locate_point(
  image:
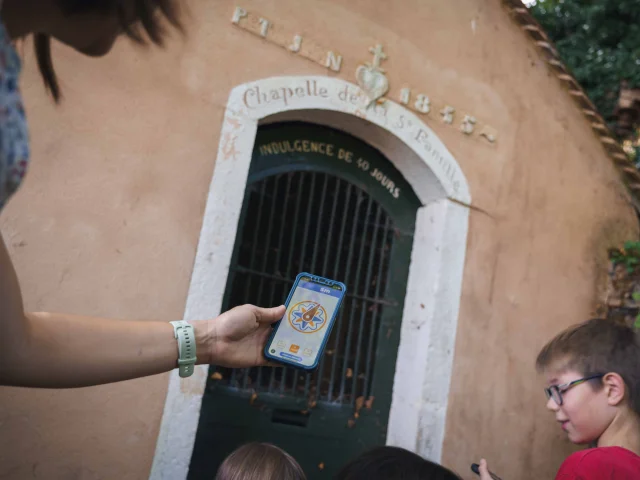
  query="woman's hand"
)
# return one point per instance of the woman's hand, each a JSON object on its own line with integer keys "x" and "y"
{"x": 237, "y": 337}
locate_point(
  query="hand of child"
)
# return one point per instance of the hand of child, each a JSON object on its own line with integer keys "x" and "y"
{"x": 484, "y": 471}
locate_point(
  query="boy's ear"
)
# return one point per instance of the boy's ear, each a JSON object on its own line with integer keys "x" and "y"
{"x": 615, "y": 388}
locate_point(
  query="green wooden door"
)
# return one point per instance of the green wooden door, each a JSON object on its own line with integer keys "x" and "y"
{"x": 321, "y": 201}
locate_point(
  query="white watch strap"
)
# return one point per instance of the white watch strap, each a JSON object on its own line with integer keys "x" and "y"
{"x": 183, "y": 331}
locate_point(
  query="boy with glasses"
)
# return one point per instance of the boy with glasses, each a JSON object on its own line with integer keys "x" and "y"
{"x": 593, "y": 376}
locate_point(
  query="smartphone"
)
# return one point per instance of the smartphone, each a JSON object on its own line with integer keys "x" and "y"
{"x": 299, "y": 338}
{"x": 475, "y": 468}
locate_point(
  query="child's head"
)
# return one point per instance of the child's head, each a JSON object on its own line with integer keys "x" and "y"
{"x": 392, "y": 463}
{"x": 260, "y": 461}
{"x": 593, "y": 376}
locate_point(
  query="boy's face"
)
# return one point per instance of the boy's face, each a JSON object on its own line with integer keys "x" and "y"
{"x": 585, "y": 412}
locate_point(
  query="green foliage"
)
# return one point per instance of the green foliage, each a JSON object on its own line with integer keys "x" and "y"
{"x": 636, "y": 298}
{"x": 599, "y": 41}
{"x": 628, "y": 256}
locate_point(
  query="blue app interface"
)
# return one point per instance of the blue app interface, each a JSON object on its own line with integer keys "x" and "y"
{"x": 305, "y": 323}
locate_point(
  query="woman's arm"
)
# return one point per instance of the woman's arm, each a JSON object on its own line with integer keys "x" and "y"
{"x": 60, "y": 351}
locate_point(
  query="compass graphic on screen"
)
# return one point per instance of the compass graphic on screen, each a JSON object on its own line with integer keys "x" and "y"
{"x": 308, "y": 316}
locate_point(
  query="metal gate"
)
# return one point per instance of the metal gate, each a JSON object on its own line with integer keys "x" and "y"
{"x": 301, "y": 213}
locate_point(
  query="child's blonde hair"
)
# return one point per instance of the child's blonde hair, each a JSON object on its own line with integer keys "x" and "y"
{"x": 260, "y": 461}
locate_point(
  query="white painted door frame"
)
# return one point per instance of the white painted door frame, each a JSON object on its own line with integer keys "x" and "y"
{"x": 430, "y": 316}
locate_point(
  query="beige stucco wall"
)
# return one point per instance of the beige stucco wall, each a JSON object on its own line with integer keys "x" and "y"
{"x": 108, "y": 220}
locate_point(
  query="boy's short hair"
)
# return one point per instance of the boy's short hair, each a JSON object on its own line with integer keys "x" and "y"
{"x": 260, "y": 461}
{"x": 385, "y": 463}
{"x": 597, "y": 346}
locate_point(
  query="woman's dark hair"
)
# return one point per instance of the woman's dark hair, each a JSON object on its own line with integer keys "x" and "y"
{"x": 260, "y": 461}
{"x": 393, "y": 463}
{"x": 148, "y": 17}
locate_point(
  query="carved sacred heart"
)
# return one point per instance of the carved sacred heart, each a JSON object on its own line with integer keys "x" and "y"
{"x": 372, "y": 81}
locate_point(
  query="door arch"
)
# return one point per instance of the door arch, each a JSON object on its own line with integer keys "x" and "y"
{"x": 322, "y": 201}
{"x": 429, "y": 321}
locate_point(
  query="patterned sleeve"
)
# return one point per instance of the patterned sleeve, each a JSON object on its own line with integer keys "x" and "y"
{"x": 14, "y": 135}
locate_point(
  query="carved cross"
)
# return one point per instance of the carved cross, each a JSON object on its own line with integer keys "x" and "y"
{"x": 378, "y": 55}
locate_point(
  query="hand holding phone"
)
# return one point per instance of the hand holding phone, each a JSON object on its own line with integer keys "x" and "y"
{"x": 239, "y": 336}
{"x": 476, "y": 469}
{"x": 299, "y": 338}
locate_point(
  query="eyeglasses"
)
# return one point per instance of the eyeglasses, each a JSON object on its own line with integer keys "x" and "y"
{"x": 556, "y": 391}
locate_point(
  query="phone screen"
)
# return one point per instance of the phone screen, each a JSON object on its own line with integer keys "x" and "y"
{"x": 305, "y": 324}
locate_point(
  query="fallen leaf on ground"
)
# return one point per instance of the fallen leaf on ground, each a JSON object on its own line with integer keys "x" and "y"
{"x": 369, "y": 403}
